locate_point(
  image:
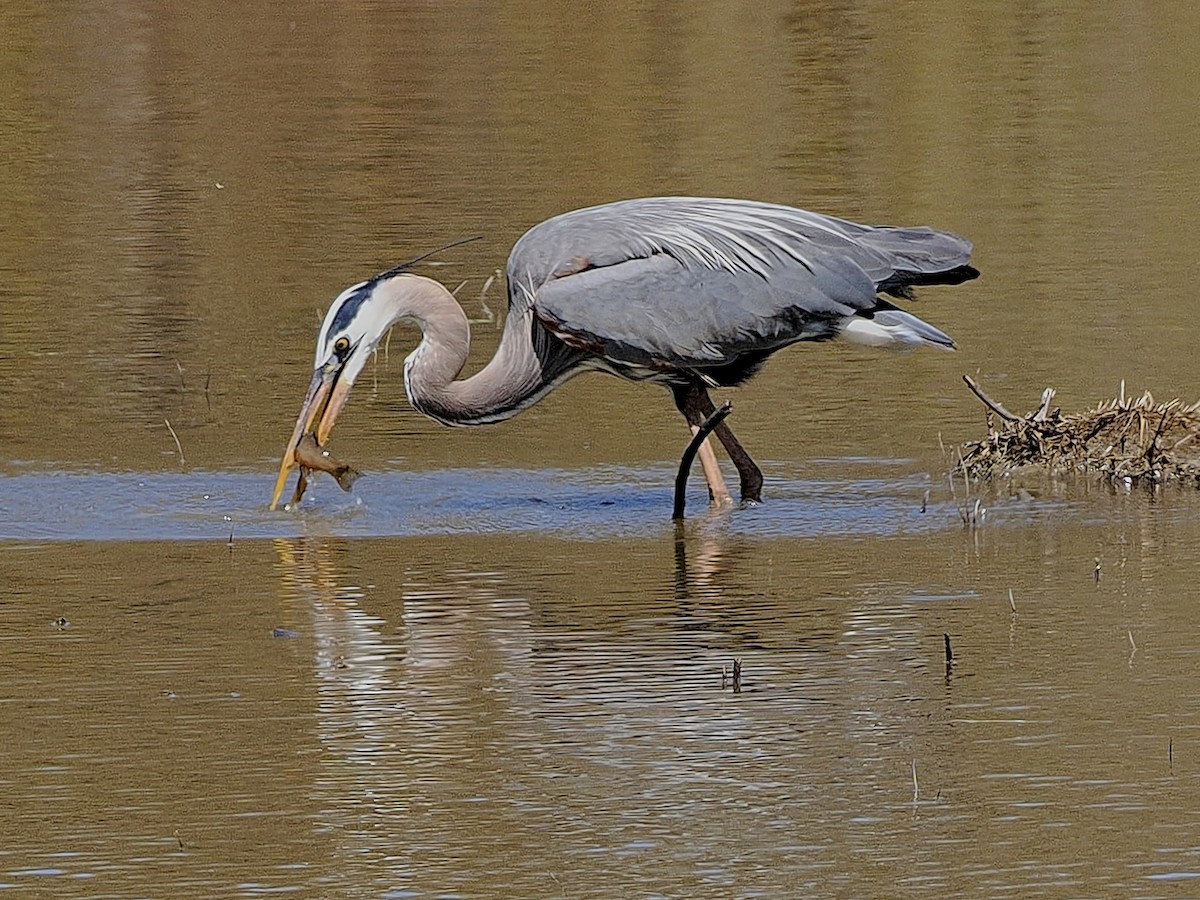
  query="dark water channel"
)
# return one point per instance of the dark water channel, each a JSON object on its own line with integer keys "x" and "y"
{"x": 496, "y": 669}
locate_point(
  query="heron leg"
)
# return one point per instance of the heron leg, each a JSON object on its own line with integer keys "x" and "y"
{"x": 749, "y": 474}
{"x": 718, "y": 492}
{"x": 685, "y": 402}
{"x": 697, "y": 402}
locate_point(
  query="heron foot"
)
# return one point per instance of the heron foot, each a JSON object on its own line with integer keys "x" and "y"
{"x": 723, "y": 502}
{"x": 752, "y": 482}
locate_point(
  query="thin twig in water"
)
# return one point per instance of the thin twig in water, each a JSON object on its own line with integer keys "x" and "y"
{"x": 962, "y": 467}
{"x": 916, "y": 786}
{"x": 178, "y": 446}
{"x": 182, "y": 384}
{"x": 954, "y": 495}
{"x": 970, "y": 515}
{"x": 1011, "y": 601}
{"x": 488, "y": 315}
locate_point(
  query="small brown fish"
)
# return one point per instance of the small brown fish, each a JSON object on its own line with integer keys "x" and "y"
{"x": 312, "y": 458}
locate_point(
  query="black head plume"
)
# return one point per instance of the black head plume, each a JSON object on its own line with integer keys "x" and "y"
{"x": 350, "y": 301}
{"x": 404, "y": 266}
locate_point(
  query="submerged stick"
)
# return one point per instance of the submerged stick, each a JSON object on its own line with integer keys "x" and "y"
{"x": 689, "y": 455}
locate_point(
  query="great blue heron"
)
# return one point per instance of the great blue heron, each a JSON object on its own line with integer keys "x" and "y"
{"x": 690, "y": 293}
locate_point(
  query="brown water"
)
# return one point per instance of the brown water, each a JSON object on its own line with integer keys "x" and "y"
{"x": 496, "y": 669}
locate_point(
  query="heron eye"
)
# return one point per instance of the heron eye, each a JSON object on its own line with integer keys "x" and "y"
{"x": 341, "y": 345}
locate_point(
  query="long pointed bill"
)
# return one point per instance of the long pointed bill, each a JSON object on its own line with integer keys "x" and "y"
{"x": 327, "y": 395}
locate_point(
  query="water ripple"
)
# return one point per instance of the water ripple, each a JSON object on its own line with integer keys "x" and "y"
{"x": 608, "y": 502}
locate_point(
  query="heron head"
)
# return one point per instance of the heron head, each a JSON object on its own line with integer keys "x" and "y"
{"x": 356, "y": 322}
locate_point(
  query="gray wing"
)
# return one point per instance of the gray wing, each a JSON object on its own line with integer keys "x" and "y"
{"x": 692, "y": 281}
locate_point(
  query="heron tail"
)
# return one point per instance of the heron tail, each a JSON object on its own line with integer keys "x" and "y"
{"x": 921, "y": 256}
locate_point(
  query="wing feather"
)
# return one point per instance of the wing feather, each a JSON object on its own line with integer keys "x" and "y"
{"x": 700, "y": 282}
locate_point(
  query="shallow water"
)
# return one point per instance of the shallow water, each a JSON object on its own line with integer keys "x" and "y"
{"x": 497, "y": 668}
{"x": 608, "y": 503}
{"x": 522, "y": 713}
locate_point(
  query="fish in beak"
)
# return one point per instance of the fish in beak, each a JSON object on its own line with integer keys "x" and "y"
{"x": 326, "y": 397}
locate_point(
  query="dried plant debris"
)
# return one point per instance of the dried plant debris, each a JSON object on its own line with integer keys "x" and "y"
{"x": 1129, "y": 440}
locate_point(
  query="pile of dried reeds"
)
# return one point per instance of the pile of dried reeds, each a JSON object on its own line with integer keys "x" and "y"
{"x": 1122, "y": 440}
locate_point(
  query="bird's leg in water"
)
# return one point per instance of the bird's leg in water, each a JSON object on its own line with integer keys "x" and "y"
{"x": 749, "y": 474}
{"x": 718, "y": 492}
{"x": 686, "y": 403}
{"x": 689, "y": 456}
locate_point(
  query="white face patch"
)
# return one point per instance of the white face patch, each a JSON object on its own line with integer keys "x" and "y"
{"x": 341, "y": 313}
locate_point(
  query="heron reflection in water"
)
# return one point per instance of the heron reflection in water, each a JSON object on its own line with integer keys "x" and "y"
{"x": 688, "y": 293}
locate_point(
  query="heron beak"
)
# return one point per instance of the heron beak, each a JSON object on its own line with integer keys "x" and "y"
{"x": 326, "y": 397}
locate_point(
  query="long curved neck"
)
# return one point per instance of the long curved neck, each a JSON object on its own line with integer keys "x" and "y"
{"x": 510, "y": 381}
